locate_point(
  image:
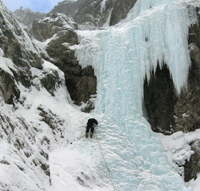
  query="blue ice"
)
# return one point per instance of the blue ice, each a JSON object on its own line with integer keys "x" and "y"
{"x": 154, "y": 31}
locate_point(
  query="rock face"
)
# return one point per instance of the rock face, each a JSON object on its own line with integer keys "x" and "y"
{"x": 26, "y": 16}
{"x": 61, "y": 22}
{"x": 88, "y": 14}
{"x": 167, "y": 112}
{"x": 24, "y": 153}
{"x": 44, "y": 29}
{"x": 18, "y": 53}
{"x": 8, "y": 87}
{"x": 124, "y": 6}
{"x": 19, "y": 141}
{"x": 81, "y": 83}
{"x": 192, "y": 167}
{"x": 92, "y": 14}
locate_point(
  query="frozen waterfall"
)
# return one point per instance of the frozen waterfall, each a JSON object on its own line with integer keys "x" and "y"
{"x": 154, "y": 32}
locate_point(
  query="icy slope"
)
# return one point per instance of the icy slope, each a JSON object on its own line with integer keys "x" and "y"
{"x": 57, "y": 129}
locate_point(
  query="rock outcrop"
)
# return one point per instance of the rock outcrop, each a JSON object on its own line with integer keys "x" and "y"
{"x": 120, "y": 10}
{"x": 81, "y": 83}
{"x": 26, "y": 16}
{"x": 16, "y": 44}
{"x": 43, "y": 29}
{"x": 22, "y": 155}
{"x": 18, "y": 55}
{"x": 92, "y": 14}
{"x": 8, "y": 88}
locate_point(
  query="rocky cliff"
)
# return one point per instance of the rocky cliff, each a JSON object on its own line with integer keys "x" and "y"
{"x": 92, "y": 14}
{"x": 26, "y": 16}
{"x": 23, "y": 154}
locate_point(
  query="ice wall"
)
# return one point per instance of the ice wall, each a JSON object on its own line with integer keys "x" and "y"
{"x": 154, "y": 32}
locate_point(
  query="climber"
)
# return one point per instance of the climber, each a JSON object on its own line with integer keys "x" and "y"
{"x": 90, "y": 125}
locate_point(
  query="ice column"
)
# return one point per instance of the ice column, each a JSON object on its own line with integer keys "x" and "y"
{"x": 122, "y": 55}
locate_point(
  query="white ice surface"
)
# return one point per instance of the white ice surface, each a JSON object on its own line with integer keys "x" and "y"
{"x": 122, "y": 56}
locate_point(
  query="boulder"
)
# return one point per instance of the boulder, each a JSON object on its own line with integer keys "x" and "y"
{"x": 44, "y": 29}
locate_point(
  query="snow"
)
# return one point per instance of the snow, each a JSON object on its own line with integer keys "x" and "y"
{"x": 6, "y": 64}
{"x": 178, "y": 150}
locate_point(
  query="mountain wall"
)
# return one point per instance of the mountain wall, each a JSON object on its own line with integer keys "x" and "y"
{"x": 26, "y": 16}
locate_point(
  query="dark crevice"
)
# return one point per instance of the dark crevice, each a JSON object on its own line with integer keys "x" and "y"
{"x": 159, "y": 100}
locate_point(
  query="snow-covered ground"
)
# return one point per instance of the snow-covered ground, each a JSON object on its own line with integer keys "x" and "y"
{"x": 177, "y": 149}
{"x": 77, "y": 163}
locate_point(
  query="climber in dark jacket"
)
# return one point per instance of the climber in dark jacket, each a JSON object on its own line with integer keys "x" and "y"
{"x": 90, "y": 125}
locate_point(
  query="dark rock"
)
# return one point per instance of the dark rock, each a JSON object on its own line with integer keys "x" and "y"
{"x": 26, "y": 16}
{"x": 187, "y": 108}
{"x": 194, "y": 30}
{"x": 159, "y": 100}
{"x": 50, "y": 81}
{"x": 89, "y": 13}
{"x": 43, "y": 29}
{"x": 81, "y": 85}
{"x": 59, "y": 48}
{"x": 120, "y": 10}
{"x": 192, "y": 167}
{"x": 8, "y": 88}
{"x": 16, "y": 43}
{"x": 52, "y": 120}
{"x": 46, "y": 168}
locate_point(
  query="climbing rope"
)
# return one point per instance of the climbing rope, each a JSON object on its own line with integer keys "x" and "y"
{"x": 105, "y": 163}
